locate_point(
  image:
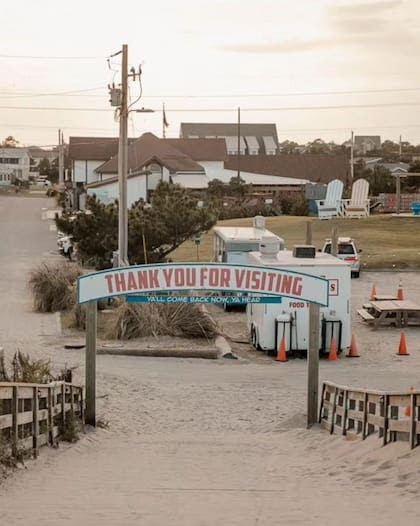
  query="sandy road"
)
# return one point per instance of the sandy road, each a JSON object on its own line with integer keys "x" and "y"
{"x": 194, "y": 442}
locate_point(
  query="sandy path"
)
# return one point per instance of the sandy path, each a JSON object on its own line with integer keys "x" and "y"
{"x": 194, "y": 442}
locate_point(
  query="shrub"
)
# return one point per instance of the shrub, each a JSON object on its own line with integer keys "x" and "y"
{"x": 52, "y": 286}
{"x": 69, "y": 432}
{"x": 134, "y": 321}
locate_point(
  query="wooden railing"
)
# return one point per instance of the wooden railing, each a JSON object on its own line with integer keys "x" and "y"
{"x": 362, "y": 412}
{"x": 33, "y": 415}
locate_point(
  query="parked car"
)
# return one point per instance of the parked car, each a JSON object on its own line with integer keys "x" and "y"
{"x": 347, "y": 251}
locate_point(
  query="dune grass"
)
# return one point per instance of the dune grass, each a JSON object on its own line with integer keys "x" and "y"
{"x": 387, "y": 242}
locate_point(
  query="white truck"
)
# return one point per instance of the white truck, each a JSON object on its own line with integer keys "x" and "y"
{"x": 234, "y": 244}
{"x": 268, "y": 323}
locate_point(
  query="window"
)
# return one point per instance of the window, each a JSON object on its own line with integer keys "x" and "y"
{"x": 343, "y": 248}
{"x": 9, "y": 160}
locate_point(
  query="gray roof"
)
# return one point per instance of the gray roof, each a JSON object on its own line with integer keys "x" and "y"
{"x": 212, "y": 129}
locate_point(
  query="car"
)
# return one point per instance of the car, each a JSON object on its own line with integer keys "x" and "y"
{"x": 347, "y": 251}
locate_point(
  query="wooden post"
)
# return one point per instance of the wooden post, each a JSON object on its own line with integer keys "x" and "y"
{"x": 413, "y": 421}
{"x": 333, "y": 412}
{"x": 71, "y": 401}
{"x": 15, "y": 420}
{"x": 308, "y": 239}
{"x": 90, "y": 374}
{"x": 63, "y": 406}
{"x": 313, "y": 365}
{"x": 50, "y": 417}
{"x": 322, "y": 403}
{"x": 35, "y": 426}
{"x": 365, "y": 415}
{"x": 345, "y": 412}
{"x": 334, "y": 241}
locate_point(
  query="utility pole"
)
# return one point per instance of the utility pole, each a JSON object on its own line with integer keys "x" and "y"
{"x": 352, "y": 157}
{"x": 122, "y": 163}
{"x": 400, "y": 150}
{"x": 239, "y": 143}
{"x": 60, "y": 158}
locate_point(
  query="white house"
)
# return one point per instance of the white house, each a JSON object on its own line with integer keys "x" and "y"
{"x": 14, "y": 164}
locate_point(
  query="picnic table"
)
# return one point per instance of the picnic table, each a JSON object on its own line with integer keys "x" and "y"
{"x": 391, "y": 312}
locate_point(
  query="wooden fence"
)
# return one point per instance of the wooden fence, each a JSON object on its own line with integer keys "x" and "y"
{"x": 362, "y": 412}
{"x": 33, "y": 415}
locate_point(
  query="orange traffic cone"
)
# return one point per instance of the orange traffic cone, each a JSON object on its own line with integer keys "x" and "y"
{"x": 353, "y": 352}
{"x": 281, "y": 353}
{"x": 400, "y": 292}
{"x": 402, "y": 349}
{"x": 373, "y": 293}
{"x": 333, "y": 351}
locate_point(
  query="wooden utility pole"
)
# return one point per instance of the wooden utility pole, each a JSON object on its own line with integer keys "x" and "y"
{"x": 90, "y": 372}
{"x": 239, "y": 143}
{"x": 122, "y": 163}
{"x": 60, "y": 158}
{"x": 400, "y": 148}
{"x": 352, "y": 157}
{"x": 398, "y": 192}
{"x": 313, "y": 365}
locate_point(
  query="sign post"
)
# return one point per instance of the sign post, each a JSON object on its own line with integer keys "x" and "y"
{"x": 90, "y": 372}
{"x": 313, "y": 365}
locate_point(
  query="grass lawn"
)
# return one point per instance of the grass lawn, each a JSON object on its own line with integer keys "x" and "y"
{"x": 386, "y": 241}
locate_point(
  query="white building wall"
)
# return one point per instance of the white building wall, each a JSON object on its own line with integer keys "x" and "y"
{"x": 83, "y": 171}
{"x": 14, "y": 162}
{"x": 136, "y": 189}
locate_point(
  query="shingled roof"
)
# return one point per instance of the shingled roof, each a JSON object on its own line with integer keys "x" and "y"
{"x": 201, "y": 149}
{"x": 92, "y": 148}
{"x": 149, "y": 148}
{"x": 316, "y": 168}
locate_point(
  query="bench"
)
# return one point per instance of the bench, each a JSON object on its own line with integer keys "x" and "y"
{"x": 365, "y": 315}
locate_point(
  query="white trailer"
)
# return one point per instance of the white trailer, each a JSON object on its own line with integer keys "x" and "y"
{"x": 268, "y": 323}
{"x": 233, "y": 244}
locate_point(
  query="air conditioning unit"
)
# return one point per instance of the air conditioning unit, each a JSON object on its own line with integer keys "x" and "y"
{"x": 269, "y": 246}
{"x": 304, "y": 251}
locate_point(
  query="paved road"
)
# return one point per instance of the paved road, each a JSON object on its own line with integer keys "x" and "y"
{"x": 190, "y": 442}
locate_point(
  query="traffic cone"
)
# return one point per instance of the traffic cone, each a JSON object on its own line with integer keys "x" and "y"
{"x": 281, "y": 353}
{"x": 402, "y": 349}
{"x": 373, "y": 293}
{"x": 333, "y": 351}
{"x": 400, "y": 292}
{"x": 353, "y": 352}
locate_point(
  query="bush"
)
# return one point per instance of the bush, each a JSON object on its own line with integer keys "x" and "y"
{"x": 24, "y": 369}
{"x": 70, "y": 431}
{"x": 182, "y": 320}
{"x": 52, "y": 286}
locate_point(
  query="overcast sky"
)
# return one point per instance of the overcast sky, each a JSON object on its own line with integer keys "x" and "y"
{"x": 299, "y": 52}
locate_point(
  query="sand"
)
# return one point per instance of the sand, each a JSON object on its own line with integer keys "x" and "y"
{"x": 199, "y": 442}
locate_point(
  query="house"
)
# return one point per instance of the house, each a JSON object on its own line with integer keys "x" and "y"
{"x": 87, "y": 153}
{"x": 14, "y": 164}
{"x": 254, "y": 139}
{"x": 364, "y": 144}
{"x": 192, "y": 163}
{"x": 394, "y": 168}
{"x": 37, "y": 154}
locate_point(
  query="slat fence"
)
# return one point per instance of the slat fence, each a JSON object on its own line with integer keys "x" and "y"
{"x": 362, "y": 412}
{"x": 33, "y": 415}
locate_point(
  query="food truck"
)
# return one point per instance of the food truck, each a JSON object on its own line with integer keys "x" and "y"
{"x": 268, "y": 323}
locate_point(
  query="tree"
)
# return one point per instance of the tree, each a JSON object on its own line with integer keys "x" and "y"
{"x": 237, "y": 187}
{"x": 216, "y": 189}
{"x": 9, "y": 142}
{"x": 289, "y": 147}
{"x": 172, "y": 218}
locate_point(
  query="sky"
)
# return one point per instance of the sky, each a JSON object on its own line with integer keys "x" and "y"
{"x": 316, "y": 68}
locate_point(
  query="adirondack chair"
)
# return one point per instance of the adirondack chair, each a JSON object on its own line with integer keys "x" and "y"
{"x": 358, "y": 204}
{"x": 330, "y": 206}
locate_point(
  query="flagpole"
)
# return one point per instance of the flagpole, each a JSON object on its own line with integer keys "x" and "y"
{"x": 163, "y": 121}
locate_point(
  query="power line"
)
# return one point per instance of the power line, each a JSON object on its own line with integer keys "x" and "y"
{"x": 218, "y": 96}
{"x": 53, "y": 57}
{"x": 227, "y": 110}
